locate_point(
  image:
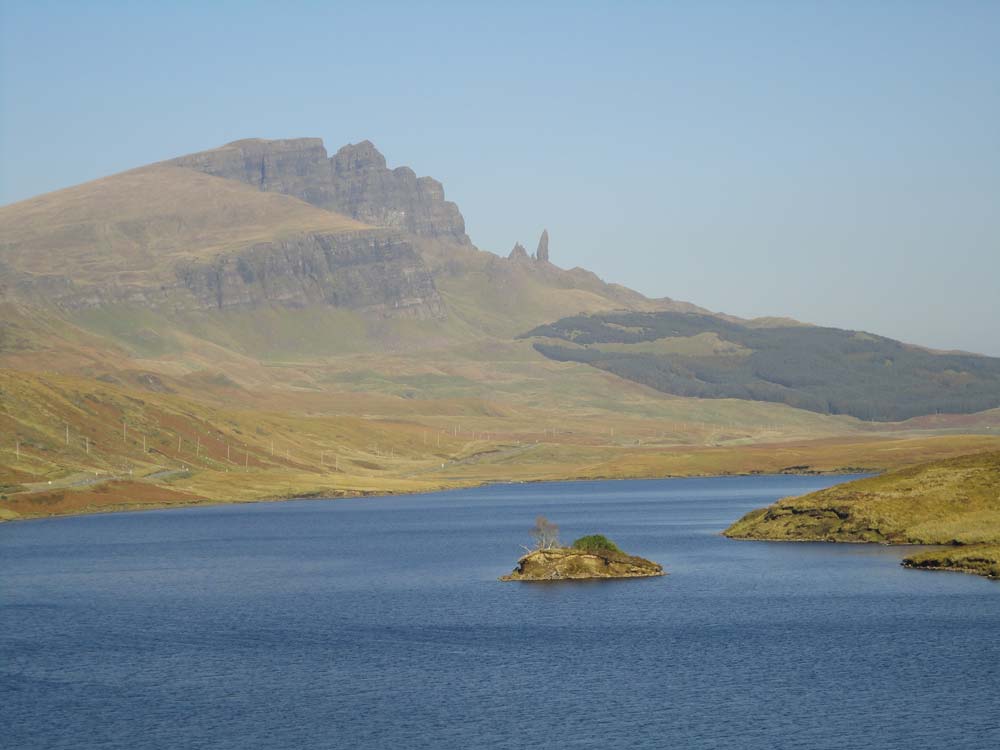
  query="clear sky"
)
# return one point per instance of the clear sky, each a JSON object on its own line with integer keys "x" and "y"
{"x": 837, "y": 162}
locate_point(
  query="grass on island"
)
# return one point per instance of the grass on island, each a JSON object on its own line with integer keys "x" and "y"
{"x": 593, "y": 556}
{"x": 596, "y": 543}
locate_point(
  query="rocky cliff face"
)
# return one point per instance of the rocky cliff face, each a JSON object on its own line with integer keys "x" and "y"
{"x": 374, "y": 271}
{"x": 355, "y": 181}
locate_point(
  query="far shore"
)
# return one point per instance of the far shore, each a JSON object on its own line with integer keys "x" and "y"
{"x": 123, "y": 506}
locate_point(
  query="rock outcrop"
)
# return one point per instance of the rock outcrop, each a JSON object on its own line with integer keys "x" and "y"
{"x": 355, "y": 181}
{"x": 979, "y": 559}
{"x": 375, "y": 271}
{"x": 542, "y": 253}
{"x": 567, "y": 564}
{"x": 518, "y": 253}
{"x": 172, "y": 238}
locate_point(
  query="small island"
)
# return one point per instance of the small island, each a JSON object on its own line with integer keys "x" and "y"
{"x": 589, "y": 557}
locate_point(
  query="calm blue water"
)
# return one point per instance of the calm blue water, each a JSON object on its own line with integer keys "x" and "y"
{"x": 379, "y": 623}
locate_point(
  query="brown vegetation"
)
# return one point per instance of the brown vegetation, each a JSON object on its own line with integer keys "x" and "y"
{"x": 564, "y": 564}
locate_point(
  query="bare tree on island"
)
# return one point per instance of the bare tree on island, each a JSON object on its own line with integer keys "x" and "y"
{"x": 545, "y": 533}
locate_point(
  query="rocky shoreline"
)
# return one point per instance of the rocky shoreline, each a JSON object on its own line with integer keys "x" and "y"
{"x": 975, "y": 559}
{"x": 949, "y": 505}
{"x": 566, "y": 564}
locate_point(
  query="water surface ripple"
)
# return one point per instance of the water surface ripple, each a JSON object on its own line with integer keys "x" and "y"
{"x": 379, "y": 623}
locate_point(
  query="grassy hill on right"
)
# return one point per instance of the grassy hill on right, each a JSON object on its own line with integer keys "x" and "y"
{"x": 952, "y": 502}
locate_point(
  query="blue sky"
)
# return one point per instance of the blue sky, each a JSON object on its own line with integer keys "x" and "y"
{"x": 834, "y": 162}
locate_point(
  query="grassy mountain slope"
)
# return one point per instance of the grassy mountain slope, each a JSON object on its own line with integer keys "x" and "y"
{"x": 394, "y": 351}
{"x": 826, "y": 370}
{"x": 137, "y": 223}
{"x": 73, "y": 445}
{"x": 76, "y": 445}
{"x": 502, "y": 297}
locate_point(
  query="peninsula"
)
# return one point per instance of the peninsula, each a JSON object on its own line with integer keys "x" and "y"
{"x": 953, "y": 503}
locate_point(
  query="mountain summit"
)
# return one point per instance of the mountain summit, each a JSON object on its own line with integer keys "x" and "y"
{"x": 355, "y": 182}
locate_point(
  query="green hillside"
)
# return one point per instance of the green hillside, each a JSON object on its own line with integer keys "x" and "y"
{"x": 825, "y": 370}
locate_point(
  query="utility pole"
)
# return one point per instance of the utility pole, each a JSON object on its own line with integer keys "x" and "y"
{"x": 17, "y": 448}
{"x": 86, "y": 443}
{"x": 124, "y": 432}
{"x": 143, "y": 443}
{"x": 178, "y": 444}
{"x": 246, "y": 459}
{"x": 67, "y": 436}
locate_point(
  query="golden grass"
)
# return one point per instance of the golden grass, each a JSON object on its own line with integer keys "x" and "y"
{"x": 133, "y": 224}
{"x": 979, "y": 559}
{"x": 950, "y": 501}
{"x": 121, "y": 438}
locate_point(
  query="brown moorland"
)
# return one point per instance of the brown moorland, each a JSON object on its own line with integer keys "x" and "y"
{"x": 217, "y": 340}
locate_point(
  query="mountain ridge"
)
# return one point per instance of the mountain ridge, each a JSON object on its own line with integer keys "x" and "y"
{"x": 257, "y": 294}
{"x": 169, "y": 237}
{"x": 355, "y": 181}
